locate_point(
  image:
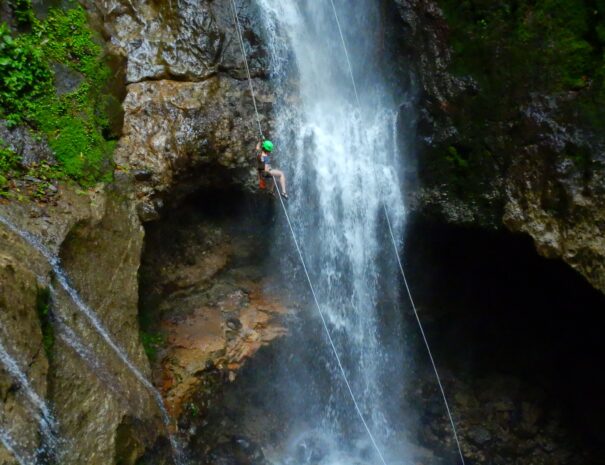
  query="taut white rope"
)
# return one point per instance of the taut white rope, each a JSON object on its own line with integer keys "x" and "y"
{"x": 241, "y": 44}
{"x": 304, "y": 265}
{"x": 399, "y": 262}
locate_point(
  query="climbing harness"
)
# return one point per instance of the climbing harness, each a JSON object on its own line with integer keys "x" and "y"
{"x": 304, "y": 266}
{"x": 263, "y": 175}
{"x": 399, "y": 262}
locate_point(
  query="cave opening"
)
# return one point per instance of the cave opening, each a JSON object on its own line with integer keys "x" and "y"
{"x": 494, "y": 309}
{"x": 205, "y": 302}
{"x": 517, "y": 337}
{"x": 518, "y": 342}
{"x": 230, "y": 225}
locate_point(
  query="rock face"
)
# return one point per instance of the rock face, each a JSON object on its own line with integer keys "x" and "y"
{"x": 531, "y": 165}
{"x": 205, "y": 295}
{"x": 30, "y": 149}
{"x": 188, "y": 40}
{"x": 22, "y": 340}
{"x": 90, "y": 391}
{"x": 188, "y": 124}
{"x": 498, "y": 420}
{"x": 189, "y": 119}
{"x": 180, "y": 136}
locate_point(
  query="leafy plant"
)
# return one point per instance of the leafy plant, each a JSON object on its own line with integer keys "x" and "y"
{"x": 24, "y": 76}
{"x": 73, "y": 123}
{"x": 515, "y": 47}
{"x": 22, "y": 11}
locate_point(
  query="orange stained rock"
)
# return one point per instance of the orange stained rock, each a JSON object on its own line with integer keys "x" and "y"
{"x": 203, "y": 338}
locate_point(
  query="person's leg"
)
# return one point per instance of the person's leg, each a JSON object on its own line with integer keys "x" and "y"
{"x": 282, "y": 179}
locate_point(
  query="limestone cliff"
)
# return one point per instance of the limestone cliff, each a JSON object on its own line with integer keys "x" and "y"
{"x": 187, "y": 123}
{"x": 504, "y": 141}
{"x": 189, "y": 120}
{"x": 89, "y": 390}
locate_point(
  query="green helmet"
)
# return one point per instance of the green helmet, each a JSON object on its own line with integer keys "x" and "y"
{"x": 268, "y": 146}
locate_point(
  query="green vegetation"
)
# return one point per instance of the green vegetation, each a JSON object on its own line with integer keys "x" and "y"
{"x": 193, "y": 409}
{"x": 22, "y": 10}
{"x": 43, "y": 308}
{"x": 515, "y": 47}
{"x": 11, "y": 167}
{"x": 151, "y": 343}
{"x": 515, "y": 50}
{"x": 73, "y": 122}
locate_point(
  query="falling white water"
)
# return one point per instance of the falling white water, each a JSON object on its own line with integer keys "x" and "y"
{"x": 342, "y": 161}
{"x": 10, "y": 445}
{"x": 70, "y": 338}
{"x": 93, "y": 319}
{"x": 39, "y": 409}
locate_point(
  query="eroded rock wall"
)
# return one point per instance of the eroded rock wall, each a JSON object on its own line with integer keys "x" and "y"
{"x": 188, "y": 123}
{"x": 206, "y": 298}
{"x": 22, "y": 340}
{"x": 527, "y": 160}
{"x": 89, "y": 390}
{"x": 189, "y": 117}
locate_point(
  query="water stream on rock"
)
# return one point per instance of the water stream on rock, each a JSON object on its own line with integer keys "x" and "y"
{"x": 70, "y": 338}
{"x": 9, "y": 444}
{"x": 331, "y": 150}
{"x": 91, "y": 316}
{"x": 41, "y": 411}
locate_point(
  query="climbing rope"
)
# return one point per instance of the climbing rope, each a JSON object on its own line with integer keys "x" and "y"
{"x": 399, "y": 262}
{"x": 304, "y": 265}
{"x": 327, "y": 330}
{"x": 241, "y": 44}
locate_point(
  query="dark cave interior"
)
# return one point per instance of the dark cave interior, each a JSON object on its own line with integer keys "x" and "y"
{"x": 492, "y": 305}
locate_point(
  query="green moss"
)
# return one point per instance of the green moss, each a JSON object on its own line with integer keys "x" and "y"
{"x": 454, "y": 157}
{"x": 9, "y": 160}
{"x": 151, "y": 343}
{"x": 43, "y": 308}
{"x": 24, "y": 76}
{"x": 515, "y": 47}
{"x": 75, "y": 122}
{"x": 11, "y": 168}
{"x": 22, "y": 11}
{"x": 9, "y": 164}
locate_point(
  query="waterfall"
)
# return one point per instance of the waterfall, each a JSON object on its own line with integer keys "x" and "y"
{"x": 40, "y": 411}
{"x": 9, "y": 444}
{"x": 96, "y": 367}
{"x": 91, "y": 316}
{"x": 342, "y": 160}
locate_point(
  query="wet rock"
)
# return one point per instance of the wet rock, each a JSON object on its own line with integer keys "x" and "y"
{"x": 33, "y": 149}
{"x": 41, "y": 7}
{"x": 184, "y": 39}
{"x": 234, "y": 324}
{"x": 494, "y": 416}
{"x": 21, "y": 336}
{"x": 237, "y": 451}
{"x": 147, "y": 212}
{"x": 6, "y": 15}
{"x": 541, "y": 169}
{"x": 142, "y": 175}
{"x": 98, "y": 236}
{"x": 214, "y": 315}
{"x": 186, "y": 135}
{"x": 66, "y": 79}
{"x": 479, "y": 435}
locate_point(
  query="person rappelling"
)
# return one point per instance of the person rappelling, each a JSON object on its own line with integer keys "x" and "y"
{"x": 264, "y": 149}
